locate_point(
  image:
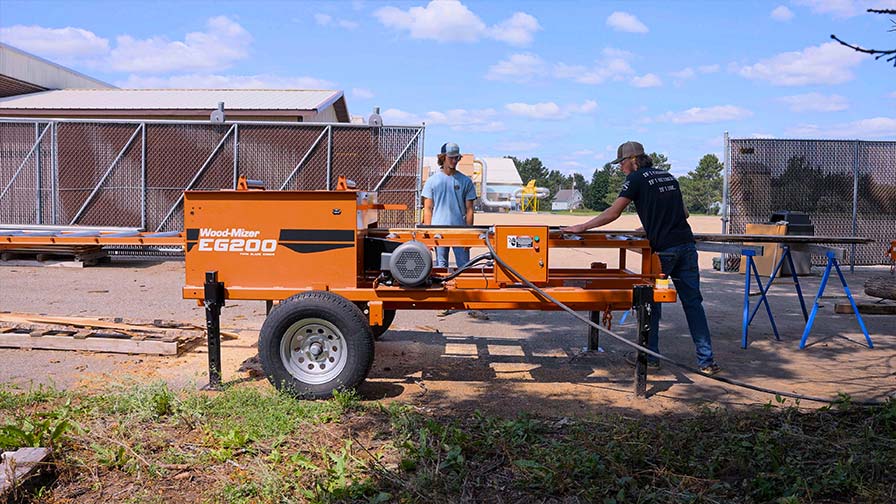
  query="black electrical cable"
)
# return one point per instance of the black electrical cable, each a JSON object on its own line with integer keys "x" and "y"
{"x": 638, "y": 347}
{"x": 465, "y": 267}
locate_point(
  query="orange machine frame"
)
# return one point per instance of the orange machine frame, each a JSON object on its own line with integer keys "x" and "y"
{"x": 316, "y": 240}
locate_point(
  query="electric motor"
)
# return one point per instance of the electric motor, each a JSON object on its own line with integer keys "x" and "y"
{"x": 411, "y": 264}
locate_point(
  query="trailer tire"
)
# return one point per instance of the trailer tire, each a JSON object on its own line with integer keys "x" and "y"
{"x": 378, "y": 330}
{"x": 315, "y": 343}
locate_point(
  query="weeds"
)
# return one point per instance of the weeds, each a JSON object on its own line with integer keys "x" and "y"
{"x": 256, "y": 445}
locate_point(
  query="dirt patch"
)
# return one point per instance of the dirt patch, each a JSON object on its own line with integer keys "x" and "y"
{"x": 516, "y": 361}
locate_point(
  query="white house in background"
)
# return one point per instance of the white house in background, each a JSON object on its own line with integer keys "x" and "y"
{"x": 502, "y": 178}
{"x": 567, "y": 199}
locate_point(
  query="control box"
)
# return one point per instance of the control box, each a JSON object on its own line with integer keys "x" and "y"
{"x": 525, "y": 249}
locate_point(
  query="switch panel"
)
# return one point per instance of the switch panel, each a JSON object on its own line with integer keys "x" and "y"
{"x": 525, "y": 249}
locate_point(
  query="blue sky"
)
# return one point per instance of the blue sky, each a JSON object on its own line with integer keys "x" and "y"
{"x": 565, "y": 81}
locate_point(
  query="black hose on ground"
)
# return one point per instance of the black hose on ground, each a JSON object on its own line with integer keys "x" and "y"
{"x": 691, "y": 369}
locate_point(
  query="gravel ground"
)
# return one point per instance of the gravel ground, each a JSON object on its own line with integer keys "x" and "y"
{"x": 516, "y": 360}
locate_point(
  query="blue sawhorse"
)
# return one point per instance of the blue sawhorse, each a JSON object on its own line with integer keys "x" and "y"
{"x": 763, "y": 291}
{"x": 752, "y": 270}
{"x": 832, "y": 263}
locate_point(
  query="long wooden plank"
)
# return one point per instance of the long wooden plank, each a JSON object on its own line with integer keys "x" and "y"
{"x": 91, "y": 344}
{"x": 17, "y": 465}
{"x": 867, "y": 308}
{"x": 26, "y": 318}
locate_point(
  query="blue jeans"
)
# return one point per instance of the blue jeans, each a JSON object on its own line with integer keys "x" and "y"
{"x": 461, "y": 256}
{"x": 680, "y": 264}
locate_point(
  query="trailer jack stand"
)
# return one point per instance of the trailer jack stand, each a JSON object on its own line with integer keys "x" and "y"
{"x": 214, "y": 300}
{"x": 643, "y": 303}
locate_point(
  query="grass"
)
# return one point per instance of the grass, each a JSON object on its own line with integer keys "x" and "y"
{"x": 147, "y": 443}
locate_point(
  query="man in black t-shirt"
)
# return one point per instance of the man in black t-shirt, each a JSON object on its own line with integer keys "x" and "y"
{"x": 660, "y": 207}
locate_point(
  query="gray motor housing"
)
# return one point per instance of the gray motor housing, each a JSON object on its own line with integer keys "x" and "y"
{"x": 410, "y": 263}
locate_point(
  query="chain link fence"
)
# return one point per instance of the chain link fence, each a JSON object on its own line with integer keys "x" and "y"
{"x": 133, "y": 174}
{"x": 848, "y": 188}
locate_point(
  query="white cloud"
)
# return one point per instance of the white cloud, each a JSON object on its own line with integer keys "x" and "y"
{"x": 647, "y": 81}
{"x": 452, "y": 21}
{"x": 550, "y": 110}
{"x": 362, "y": 93}
{"x": 222, "y": 43}
{"x": 613, "y": 65}
{"x": 518, "y": 30}
{"x": 584, "y": 152}
{"x": 65, "y": 44}
{"x": 479, "y": 120}
{"x": 518, "y": 68}
{"x": 684, "y": 74}
{"x": 782, "y": 13}
{"x": 828, "y": 63}
{"x": 213, "y": 81}
{"x": 327, "y": 20}
{"x": 875, "y": 127}
{"x": 689, "y": 72}
{"x": 573, "y": 164}
{"x": 815, "y": 102}
{"x": 845, "y": 8}
{"x": 761, "y": 135}
{"x": 625, "y": 22}
{"x": 699, "y": 115}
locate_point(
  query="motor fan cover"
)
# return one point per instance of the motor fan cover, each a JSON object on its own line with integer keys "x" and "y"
{"x": 411, "y": 264}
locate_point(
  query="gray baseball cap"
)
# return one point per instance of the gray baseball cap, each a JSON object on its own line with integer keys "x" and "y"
{"x": 451, "y": 150}
{"x": 627, "y": 150}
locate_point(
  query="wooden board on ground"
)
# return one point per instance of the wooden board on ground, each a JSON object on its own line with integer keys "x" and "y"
{"x": 17, "y": 466}
{"x": 155, "y": 327}
{"x": 867, "y": 308}
{"x": 92, "y": 342}
{"x": 27, "y": 331}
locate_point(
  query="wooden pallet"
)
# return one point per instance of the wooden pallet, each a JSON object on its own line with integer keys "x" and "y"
{"x": 27, "y": 331}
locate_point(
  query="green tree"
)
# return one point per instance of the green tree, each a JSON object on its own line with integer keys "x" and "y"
{"x": 701, "y": 188}
{"x": 660, "y": 161}
{"x": 531, "y": 168}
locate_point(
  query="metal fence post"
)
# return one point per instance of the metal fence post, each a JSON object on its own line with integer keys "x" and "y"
{"x": 329, "y": 155}
{"x": 38, "y": 178}
{"x": 236, "y": 154}
{"x": 723, "y": 258}
{"x": 855, "y": 205}
{"x": 54, "y": 169}
{"x": 143, "y": 178}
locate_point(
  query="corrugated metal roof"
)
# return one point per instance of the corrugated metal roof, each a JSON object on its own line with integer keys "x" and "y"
{"x": 23, "y": 66}
{"x": 174, "y": 99}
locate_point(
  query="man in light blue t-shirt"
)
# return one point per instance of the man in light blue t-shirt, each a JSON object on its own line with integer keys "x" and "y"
{"x": 448, "y": 198}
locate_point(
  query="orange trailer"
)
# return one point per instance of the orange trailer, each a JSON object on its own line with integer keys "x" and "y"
{"x": 338, "y": 279}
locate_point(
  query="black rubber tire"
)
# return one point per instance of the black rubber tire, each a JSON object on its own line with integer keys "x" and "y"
{"x": 378, "y": 330}
{"x": 338, "y": 311}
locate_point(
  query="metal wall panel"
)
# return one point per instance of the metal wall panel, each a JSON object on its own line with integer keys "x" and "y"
{"x": 848, "y": 187}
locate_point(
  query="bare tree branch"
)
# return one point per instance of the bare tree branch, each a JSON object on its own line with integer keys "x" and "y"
{"x": 879, "y": 53}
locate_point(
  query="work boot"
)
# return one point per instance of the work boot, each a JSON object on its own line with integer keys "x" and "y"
{"x": 710, "y": 369}
{"x": 478, "y": 315}
{"x": 443, "y": 313}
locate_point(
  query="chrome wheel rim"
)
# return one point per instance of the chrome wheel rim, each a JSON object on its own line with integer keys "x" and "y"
{"x": 313, "y": 350}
